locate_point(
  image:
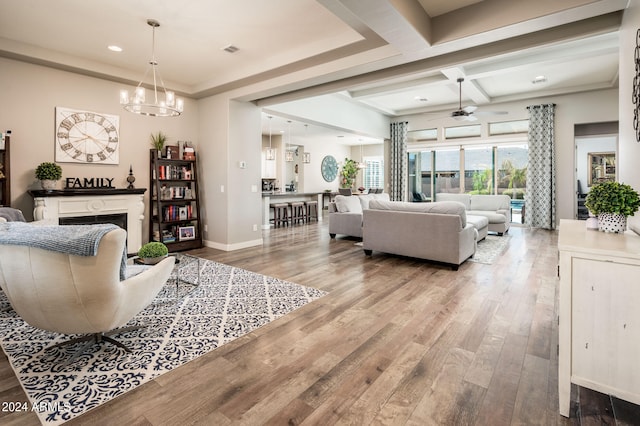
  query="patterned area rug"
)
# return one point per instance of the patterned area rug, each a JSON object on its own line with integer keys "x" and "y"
{"x": 490, "y": 249}
{"x": 182, "y": 325}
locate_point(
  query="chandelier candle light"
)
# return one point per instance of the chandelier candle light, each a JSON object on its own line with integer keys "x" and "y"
{"x": 169, "y": 107}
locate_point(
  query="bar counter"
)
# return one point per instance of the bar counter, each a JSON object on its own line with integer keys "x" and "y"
{"x": 285, "y": 197}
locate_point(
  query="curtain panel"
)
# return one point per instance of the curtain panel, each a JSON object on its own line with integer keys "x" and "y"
{"x": 541, "y": 170}
{"x": 399, "y": 163}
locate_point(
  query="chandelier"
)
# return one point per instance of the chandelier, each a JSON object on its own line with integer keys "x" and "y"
{"x": 169, "y": 107}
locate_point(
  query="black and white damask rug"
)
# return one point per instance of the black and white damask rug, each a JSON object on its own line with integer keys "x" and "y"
{"x": 182, "y": 325}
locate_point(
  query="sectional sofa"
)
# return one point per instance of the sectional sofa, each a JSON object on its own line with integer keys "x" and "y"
{"x": 496, "y": 208}
{"x": 437, "y": 231}
{"x": 345, "y": 213}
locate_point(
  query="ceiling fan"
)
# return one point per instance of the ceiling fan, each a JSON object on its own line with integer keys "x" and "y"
{"x": 469, "y": 113}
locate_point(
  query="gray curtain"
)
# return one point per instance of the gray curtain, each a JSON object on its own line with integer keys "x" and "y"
{"x": 540, "y": 207}
{"x": 398, "y": 169}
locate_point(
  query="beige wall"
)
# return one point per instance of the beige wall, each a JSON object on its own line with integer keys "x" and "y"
{"x": 30, "y": 94}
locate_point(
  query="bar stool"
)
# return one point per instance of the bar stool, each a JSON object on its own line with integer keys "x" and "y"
{"x": 311, "y": 210}
{"x": 297, "y": 212}
{"x": 280, "y": 214}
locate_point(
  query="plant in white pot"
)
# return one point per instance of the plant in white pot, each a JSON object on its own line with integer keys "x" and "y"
{"x": 48, "y": 174}
{"x": 612, "y": 202}
{"x": 153, "y": 252}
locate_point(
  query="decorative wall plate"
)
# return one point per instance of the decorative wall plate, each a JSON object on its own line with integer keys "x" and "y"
{"x": 86, "y": 137}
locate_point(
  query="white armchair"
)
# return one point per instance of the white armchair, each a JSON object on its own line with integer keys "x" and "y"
{"x": 72, "y": 294}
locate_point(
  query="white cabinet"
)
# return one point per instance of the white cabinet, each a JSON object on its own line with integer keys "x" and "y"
{"x": 599, "y": 324}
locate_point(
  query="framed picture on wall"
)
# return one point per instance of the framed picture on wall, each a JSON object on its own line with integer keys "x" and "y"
{"x": 602, "y": 167}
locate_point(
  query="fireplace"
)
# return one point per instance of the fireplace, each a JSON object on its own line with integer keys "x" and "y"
{"x": 123, "y": 207}
{"x": 119, "y": 219}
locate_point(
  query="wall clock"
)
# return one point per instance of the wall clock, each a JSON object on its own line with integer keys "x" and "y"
{"x": 86, "y": 137}
{"x": 329, "y": 168}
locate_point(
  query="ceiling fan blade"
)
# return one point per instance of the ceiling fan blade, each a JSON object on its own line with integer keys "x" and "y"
{"x": 469, "y": 109}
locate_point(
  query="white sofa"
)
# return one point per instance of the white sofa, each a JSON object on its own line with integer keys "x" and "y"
{"x": 433, "y": 231}
{"x": 496, "y": 208}
{"x": 345, "y": 213}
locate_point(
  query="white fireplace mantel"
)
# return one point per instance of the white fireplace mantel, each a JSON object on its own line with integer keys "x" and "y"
{"x": 53, "y": 205}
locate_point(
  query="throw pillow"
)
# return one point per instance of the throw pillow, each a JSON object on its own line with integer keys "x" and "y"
{"x": 348, "y": 204}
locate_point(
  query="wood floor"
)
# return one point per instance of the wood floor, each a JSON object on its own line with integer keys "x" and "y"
{"x": 396, "y": 341}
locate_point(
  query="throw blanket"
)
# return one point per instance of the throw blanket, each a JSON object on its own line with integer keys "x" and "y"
{"x": 11, "y": 215}
{"x": 78, "y": 240}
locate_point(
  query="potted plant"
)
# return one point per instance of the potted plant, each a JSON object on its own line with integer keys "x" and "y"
{"x": 158, "y": 140}
{"x": 349, "y": 173}
{"x": 153, "y": 252}
{"x": 48, "y": 174}
{"x": 612, "y": 202}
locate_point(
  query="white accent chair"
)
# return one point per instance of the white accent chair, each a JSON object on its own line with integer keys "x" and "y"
{"x": 72, "y": 294}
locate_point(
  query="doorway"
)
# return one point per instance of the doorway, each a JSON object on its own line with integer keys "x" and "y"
{"x": 596, "y": 149}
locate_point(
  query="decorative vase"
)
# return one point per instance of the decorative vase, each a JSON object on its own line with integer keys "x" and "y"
{"x": 48, "y": 184}
{"x": 153, "y": 260}
{"x": 592, "y": 222}
{"x": 611, "y": 222}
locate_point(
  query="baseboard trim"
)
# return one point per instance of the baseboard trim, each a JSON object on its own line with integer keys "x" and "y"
{"x": 232, "y": 247}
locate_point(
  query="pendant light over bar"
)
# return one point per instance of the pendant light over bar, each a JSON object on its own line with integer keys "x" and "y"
{"x": 288, "y": 155}
{"x": 271, "y": 153}
{"x": 169, "y": 107}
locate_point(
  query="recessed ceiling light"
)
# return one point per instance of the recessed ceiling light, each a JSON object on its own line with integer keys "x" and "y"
{"x": 539, "y": 79}
{"x": 114, "y": 48}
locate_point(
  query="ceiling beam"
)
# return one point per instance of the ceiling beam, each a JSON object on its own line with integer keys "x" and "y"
{"x": 402, "y": 23}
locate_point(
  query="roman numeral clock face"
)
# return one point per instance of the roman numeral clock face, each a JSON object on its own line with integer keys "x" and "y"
{"x": 86, "y": 137}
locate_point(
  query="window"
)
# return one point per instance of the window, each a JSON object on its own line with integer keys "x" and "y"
{"x": 490, "y": 169}
{"x": 420, "y": 167}
{"x": 374, "y": 172}
{"x": 447, "y": 176}
{"x": 478, "y": 170}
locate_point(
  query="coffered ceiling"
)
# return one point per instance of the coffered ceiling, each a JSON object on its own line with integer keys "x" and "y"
{"x": 398, "y": 57}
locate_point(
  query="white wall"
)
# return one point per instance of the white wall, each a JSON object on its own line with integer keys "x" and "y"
{"x": 337, "y": 112}
{"x": 30, "y": 94}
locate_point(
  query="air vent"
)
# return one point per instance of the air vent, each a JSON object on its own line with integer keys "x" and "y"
{"x": 230, "y": 48}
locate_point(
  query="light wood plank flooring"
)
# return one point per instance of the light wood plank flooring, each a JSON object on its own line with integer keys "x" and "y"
{"x": 397, "y": 341}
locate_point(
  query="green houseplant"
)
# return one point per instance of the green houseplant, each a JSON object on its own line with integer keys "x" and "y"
{"x": 349, "y": 173}
{"x": 612, "y": 202}
{"x": 158, "y": 140}
{"x": 48, "y": 174}
{"x": 153, "y": 252}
